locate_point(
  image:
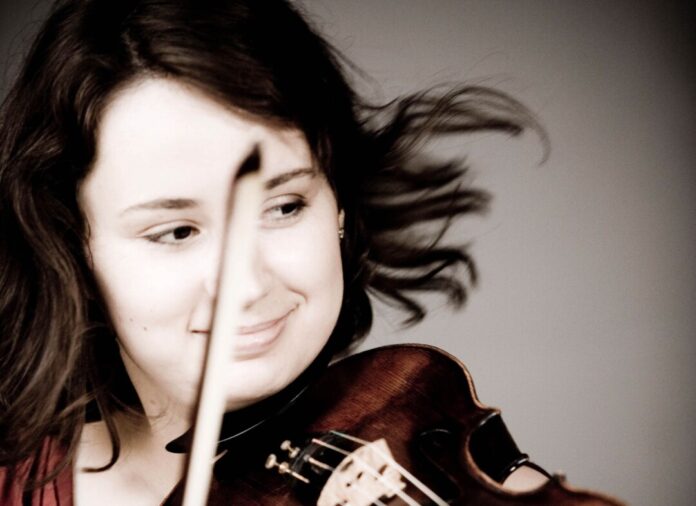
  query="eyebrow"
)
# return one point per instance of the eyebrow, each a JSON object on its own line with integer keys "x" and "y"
{"x": 288, "y": 176}
{"x": 184, "y": 203}
{"x": 164, "y": 203}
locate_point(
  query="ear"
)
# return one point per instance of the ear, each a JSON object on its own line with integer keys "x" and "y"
{"x": 341, "y": 218}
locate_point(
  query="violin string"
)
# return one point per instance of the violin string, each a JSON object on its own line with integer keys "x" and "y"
{"x": 359, "y": 488}
{"x": 327, "y": 467}
{"x": 406, "y": 474}
{"x": 393, "y": 488}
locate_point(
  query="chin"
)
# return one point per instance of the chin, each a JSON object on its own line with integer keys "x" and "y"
{"x": 246, "y": 389}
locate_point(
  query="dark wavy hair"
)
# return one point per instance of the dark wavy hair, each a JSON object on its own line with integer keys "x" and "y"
{"x": 58, "y": 356}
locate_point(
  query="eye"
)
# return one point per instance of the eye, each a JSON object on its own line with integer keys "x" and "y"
{"x": 174, "y": 235}
{"x": 283, "y": 210}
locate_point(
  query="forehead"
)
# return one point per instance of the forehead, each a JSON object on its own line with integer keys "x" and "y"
{"x": 174, "y": 117}
{"x": 161, "y": 136}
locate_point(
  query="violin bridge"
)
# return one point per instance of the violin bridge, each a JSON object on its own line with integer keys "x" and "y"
{"x": 363, "y": 477}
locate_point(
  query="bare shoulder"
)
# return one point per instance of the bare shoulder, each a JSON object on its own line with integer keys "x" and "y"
{"x": 130, "y": 480}
{"x": 111, "y": 486}
{"x": 94, "y": 450}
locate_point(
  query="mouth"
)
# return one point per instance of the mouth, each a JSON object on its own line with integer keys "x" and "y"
{"x": 252, "y": 340}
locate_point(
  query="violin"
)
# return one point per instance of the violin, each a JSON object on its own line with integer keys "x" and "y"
{"x": 397, "y": 425}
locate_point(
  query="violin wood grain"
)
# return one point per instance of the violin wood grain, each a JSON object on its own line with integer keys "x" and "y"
{"x": 420, "y": 399}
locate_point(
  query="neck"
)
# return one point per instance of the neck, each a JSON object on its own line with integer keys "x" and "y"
{"x": 142, "y": 451}
{"x": 151, "y": 433}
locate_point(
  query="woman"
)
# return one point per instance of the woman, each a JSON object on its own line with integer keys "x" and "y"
{"x": 120, "y": 141}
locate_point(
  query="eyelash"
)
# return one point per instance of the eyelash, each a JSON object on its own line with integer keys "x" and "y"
{"x": 157, "y": 237}
{"x": 298, "y": 205}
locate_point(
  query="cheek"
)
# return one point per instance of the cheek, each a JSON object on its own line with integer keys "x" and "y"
{"x": 308, "y": 261}
{"x": 148, "y": 301}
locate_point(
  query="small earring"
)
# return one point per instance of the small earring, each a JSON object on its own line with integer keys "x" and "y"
{"x": 341, "y": 219}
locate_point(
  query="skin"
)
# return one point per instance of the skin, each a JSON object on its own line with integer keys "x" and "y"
{"x": 155, "y": 202}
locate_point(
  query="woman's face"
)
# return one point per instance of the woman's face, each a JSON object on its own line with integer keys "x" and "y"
{"x": 155, "y": 202}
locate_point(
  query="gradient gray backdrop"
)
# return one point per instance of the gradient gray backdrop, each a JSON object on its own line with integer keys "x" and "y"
{"x": 582, "y": 329}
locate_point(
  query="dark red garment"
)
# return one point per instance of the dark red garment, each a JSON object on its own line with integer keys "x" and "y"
{"x": 57, "y": 492}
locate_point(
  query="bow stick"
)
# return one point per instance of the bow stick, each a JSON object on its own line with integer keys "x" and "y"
{"x": 240, "y": 236}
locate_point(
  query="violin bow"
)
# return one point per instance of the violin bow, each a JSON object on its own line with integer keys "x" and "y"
{"x": 243, "y": 207}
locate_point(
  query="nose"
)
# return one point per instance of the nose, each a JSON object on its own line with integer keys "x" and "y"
{"x": 204, "y": 297}
{"x": 257, "y": 282}
{"x": 256, "y": 287}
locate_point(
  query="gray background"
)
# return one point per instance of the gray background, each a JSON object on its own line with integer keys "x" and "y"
{"x": 582, "y": 329}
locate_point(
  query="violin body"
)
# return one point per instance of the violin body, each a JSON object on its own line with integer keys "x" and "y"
{"x": 368, "y": 425}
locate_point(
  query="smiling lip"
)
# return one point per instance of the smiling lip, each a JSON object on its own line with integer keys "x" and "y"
{"x": 255, "y": 339}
